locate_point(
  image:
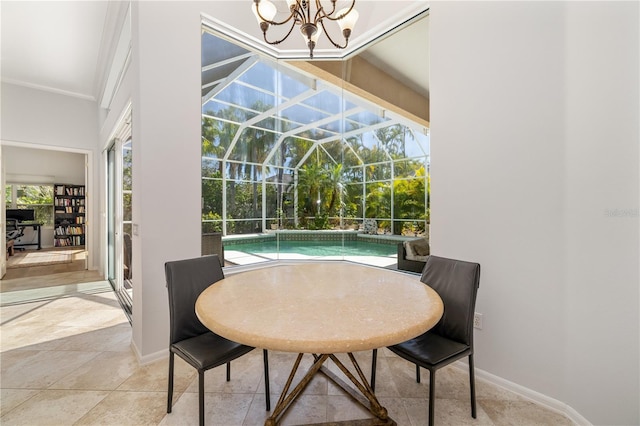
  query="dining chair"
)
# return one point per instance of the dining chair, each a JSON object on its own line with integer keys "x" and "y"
{"x": 189, "y": 338}
{"x": 451, "y": 339}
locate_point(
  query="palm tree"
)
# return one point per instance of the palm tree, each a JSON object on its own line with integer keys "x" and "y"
{"x": 336, "y": 185}
{"x": 311, "y": 182}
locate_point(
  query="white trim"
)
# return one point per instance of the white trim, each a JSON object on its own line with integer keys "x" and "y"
{"x": 148, "y": 359}
{"x": 30, "y": 145}
{"x": 15, "y": 179}
{"x": 119, "y": 63}
{"x": 50, "y": 89}
{"x": 529, "y": 394}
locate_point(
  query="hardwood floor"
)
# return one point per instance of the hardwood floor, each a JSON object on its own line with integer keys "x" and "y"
{"x": 48, "y": 275}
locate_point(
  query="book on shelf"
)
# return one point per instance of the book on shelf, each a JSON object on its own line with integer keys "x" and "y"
{"x": 69, "y": 212}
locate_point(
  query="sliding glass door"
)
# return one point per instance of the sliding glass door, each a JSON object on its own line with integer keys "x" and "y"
{"x": 119, "y": 268}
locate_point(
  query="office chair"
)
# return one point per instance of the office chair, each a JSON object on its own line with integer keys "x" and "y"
{"x": 189, "y": 338}
{"x": 457, "y": 284}
{"x": 13, "y": 232}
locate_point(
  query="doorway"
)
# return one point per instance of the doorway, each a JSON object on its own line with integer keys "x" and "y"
{"x": 54, "y": 232}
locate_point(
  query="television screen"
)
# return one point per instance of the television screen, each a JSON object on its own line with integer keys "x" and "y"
{"x": 21, "y": 215}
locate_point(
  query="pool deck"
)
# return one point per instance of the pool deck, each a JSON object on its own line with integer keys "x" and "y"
{"x": 237, "y": 257}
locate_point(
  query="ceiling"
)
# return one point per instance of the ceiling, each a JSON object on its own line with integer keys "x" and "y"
{"x": 64, "y": 46}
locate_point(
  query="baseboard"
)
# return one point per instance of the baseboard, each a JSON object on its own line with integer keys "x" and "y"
{"x": 148, "y": 359}
{"x": 533, "y": 396}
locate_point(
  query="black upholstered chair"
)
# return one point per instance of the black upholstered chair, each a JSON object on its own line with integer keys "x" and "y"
{"x": 457, "y": 284}
{"x": 189, "y": 338}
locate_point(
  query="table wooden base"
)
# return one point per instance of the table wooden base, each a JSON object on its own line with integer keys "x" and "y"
{"x": 363, "y": 393}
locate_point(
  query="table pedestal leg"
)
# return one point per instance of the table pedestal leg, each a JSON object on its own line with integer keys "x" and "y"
{"x": 366, "y": 397}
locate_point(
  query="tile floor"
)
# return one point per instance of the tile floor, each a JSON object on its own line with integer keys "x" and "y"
{"x": 66, "y": 360}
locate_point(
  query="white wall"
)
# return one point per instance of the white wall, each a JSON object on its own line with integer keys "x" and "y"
{"x": 534, "y": 138}
{"x": 43, "y": 120}
{"x": 27, "y": 165}
{"x": 39, "y": 117}
{"x": 166, "y": 136}
{"x": 41, "y": 166}
{"x": 602, "y": 97}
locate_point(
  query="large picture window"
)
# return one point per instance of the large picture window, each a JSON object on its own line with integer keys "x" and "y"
{"x": 283, "y": 150}
{"x": 36, "y": 197}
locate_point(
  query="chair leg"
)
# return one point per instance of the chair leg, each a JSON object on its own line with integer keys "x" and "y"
{"x": 417, "y": 373}
{"x": 267, "y": 395}
{"x": 201, "y": 396}
{"x": 432, "y": 395}
{"x": 170, "y": 390}
{"x": 374, "y": 362}
{"x": 228, "y": 371}
{"x": 472, "y": 384}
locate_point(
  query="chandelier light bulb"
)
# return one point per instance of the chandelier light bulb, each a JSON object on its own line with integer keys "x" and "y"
{"x": 348, "y": 21}
{"x": 311, "y": 22}
{"x": 292, "y": 3}
{"x": 267, "y": 10}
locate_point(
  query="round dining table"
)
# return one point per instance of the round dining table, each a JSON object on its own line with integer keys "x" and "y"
{"x": 322, "y": 309}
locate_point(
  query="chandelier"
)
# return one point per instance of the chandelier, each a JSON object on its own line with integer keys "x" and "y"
{"x": 312, "y": 24}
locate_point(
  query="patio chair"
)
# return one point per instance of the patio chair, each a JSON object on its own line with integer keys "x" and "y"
{"x": 189, "y": 338}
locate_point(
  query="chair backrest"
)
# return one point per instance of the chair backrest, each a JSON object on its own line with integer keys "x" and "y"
{"x": 457, "y": 283}
{"x": 186, "y": 279}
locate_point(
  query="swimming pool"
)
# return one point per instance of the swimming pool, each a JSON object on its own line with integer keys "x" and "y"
{"x": 314, "y": 249}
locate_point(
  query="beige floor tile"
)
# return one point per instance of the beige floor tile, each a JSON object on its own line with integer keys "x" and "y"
{"x": 220, "y": 409}
{"x": 395, "y": 409}
{"x": 27, "y": 337}
{"x": 153, "y": 377}
{"x": 116, "y": 338}
{"x": 489, "y": 391}
{"x": 257, "y": 413}
{"x": 340, "y": 408}
{"x": 11, "y": 398}
{"x": 127, "y": 408}
{"x": 96, "y": 318}
{"x": 522, "y": 413}
{"x": 403, "y": 374}
{"x": 386, "y": 385}
{"x": 53, "y": 407}
{"x": 13, "y": 314}
{"x": 40, "y": 369}
{"x": 106, "y": 371}
{"x": 307, "y": 409}
{"x": 447, "y": 412}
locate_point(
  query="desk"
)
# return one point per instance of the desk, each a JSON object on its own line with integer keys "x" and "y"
{"x": 36, "y": 227}
{"x": 321, "y": 309}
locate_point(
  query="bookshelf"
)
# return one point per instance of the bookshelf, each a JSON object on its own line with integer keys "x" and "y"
{"x": 69, "y": 215}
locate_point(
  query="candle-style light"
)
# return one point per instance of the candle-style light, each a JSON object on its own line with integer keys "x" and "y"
{"x": 312, "y": 24}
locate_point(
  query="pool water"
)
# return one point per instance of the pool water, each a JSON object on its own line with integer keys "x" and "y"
{"x": 317, "y": 248}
